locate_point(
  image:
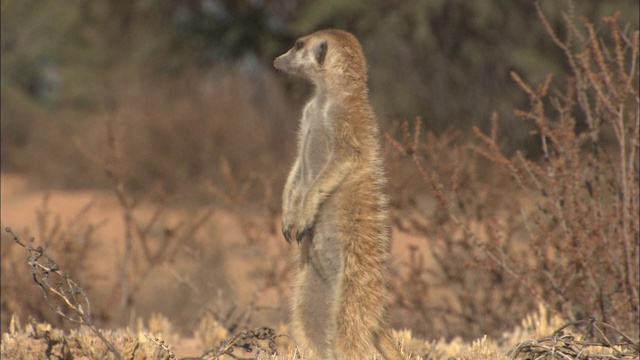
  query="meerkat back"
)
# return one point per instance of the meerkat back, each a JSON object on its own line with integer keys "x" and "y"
{"x": 334, "y": 200}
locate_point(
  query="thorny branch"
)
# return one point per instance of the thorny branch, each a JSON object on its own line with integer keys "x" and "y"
{"x": 251, "y": 342}
{"x": 583, "y": 190}
{"x": 560, "y": 345}
{"x": 45, "y": 270}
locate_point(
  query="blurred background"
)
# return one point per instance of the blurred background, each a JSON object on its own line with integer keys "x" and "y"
{"x": 192, "y": 81}
{"x": 201, "y": 117}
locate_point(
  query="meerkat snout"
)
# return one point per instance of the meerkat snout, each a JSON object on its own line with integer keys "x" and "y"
{"x": 304, "y": 59}
{"x": 278, "y": 63}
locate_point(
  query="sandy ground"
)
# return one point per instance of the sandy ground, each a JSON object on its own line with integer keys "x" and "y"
{"x": 20, "y": 208}
{"x": 243, "y": 261}
{"x": 19, "y": 204}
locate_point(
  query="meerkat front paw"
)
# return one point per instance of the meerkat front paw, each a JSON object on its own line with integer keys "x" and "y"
{"x": 287, "y": 225}
{"x": 305, "y": 223}
{"x": 289, "y": 222}
{"x": 301, "y": 232}
{"x": 286, "y": 232}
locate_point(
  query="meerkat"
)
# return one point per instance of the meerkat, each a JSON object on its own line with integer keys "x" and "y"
{"x": 334, "y": 198}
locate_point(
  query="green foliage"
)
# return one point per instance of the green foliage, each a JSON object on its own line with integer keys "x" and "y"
{"x": 211, "y": 32}
{"x": 333, "y": 13}
{"x": 50, "y": 53}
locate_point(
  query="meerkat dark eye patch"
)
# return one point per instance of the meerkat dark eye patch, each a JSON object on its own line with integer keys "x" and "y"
{"x": 321, "y": 52}
{"x": 299, "y": 44}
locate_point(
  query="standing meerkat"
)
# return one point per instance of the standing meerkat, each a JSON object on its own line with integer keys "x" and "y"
{"x": 334, "y": 199}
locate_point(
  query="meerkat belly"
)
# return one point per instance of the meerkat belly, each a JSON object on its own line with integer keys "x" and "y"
{"x": 325, "y": 252}
{"x": 315, "y": 155}
{"x": 318, "y": 298}
{"x": 322, "y": 252}
{"x": 316, "y": 145}
{"x": 323, "y": 249}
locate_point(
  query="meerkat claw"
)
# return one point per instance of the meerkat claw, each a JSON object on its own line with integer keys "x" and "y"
{"x": 300, "y": 234}
{"x": 287, "y": 234}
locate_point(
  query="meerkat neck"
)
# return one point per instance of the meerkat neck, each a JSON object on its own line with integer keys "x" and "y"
{"x": 340, "y": 91}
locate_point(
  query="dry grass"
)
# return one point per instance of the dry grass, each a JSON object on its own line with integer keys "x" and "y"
{"x": 155, "y": 341}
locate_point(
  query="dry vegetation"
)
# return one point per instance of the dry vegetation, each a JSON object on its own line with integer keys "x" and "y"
{"x": 552, "y": 240}
{"x": 575, "y": 340}
{"x": 561, "y": 230}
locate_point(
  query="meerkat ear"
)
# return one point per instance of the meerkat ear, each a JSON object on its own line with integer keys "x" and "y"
{"x": 321, "y": 52}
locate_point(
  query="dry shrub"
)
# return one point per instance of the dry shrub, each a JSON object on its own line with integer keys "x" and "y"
{"x": 154, "y": 339}
{"x": 61, "y": 149}
{"x": 61, "y": 293}
{"x": 588, "y": 342}
{"x": 163, "y": 246}
{"x": 65, "y": 298}
{"x": 585, "y": 228}
{"x": 178, "y": 131}
{"x": 72, "y": 244}
{"x": 567, "y": 231}
{"x": 445, "y": 288}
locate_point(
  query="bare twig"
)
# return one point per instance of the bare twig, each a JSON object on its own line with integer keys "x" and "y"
{"x": 163, "y": 345}
{"x": 44, "y": 270}
{"x": 560, "y": 345}
{"x": 138, "y": 234}
{"x": 251, "y": 342}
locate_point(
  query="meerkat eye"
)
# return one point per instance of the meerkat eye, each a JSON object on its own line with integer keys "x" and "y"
{"x": 299, "y": 44}
{"x": 321, "y": 54}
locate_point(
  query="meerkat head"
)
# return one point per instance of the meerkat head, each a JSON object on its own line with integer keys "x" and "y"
{"x": 327, "y": 57}
{"x": 306, "y": 58}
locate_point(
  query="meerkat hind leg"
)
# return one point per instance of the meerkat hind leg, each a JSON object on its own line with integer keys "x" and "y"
{"x": 314, "y": 312}
{"x": 387, "y": 347}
